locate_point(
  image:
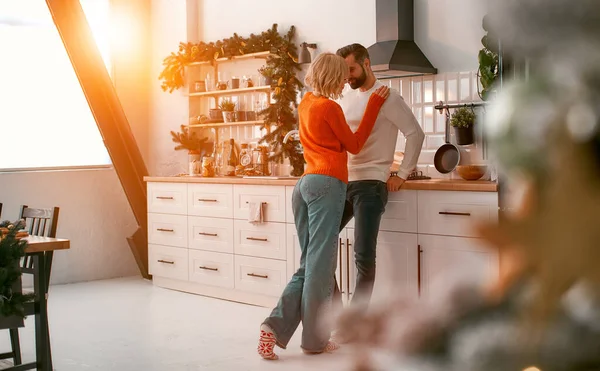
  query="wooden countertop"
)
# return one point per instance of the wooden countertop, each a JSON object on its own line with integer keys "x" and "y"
{"x": 429, "y": 185}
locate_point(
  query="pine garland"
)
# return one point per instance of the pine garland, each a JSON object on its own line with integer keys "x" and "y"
{"x": 285, "y": 84}
{"x": 12, "y": 250}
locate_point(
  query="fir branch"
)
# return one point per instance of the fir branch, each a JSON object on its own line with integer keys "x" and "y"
{"x": 12, "y": 249}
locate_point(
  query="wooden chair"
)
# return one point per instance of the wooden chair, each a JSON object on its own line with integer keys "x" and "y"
{"x": 39, "y": 222}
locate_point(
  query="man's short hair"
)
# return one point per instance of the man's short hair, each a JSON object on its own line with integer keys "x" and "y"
{"x": 359, "y": 52}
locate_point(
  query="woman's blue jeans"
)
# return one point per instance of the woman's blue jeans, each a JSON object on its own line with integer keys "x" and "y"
{"x": 318, "y": 204}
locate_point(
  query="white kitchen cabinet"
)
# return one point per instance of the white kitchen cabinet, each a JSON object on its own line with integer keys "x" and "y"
{"x": 397, "y": 269}
{"x": 201, "y": 241}
{"x": 210, "y": 200}
{"x": 444, "y": 259}
{"x": 439, "y": 245}
{"x": 454, "y": 213}
{"x": 271, "y": 197}
{"x": 167, "y": 198}
{"x": 400, "y": 213}
{"x": 396, "y": 265}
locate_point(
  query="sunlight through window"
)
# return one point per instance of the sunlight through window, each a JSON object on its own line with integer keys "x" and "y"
{"x": 45, "y": 119}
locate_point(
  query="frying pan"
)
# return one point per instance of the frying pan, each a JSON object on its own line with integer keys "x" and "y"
{"x": 447, "y": 157}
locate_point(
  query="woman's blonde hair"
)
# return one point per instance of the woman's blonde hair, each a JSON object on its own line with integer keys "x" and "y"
{"x": 326, "y": 74}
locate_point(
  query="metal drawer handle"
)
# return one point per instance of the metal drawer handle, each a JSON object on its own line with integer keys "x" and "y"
{"x": 419, "y": 257}
{"x": 348, "y": 266}
{"x": 165, "y": 261}
{"x": 164, "y": 230}
{"x": 206, "y": 200}
{"x": 209, "y": 268}
{"x": 257, "y": 275}
{"x": 164, "y": 198}
{"x": 263, "y": 203}
{"x": 208, "y": 234}
{"x": 453, "y": 213}
{"x": 257, "y": 239}
{"x": 341, "y": 283}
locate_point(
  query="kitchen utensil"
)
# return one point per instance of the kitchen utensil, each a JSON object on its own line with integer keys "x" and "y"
{"x": 471, "y": 172}
{"x": 447, "y": 157}
{"x": 418, "y": 175}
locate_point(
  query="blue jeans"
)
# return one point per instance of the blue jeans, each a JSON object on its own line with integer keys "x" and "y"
{"x": 318, "y": 204}
{"x": 365, "y": 201}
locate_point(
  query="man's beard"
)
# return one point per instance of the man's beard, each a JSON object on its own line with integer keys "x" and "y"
{"x": 356, "y": 83}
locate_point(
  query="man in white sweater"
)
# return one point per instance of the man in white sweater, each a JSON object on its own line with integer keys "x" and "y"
{"x": 370, "y": 177}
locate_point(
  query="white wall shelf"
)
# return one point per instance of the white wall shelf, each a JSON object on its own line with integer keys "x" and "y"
{"x": 259, "y": 55}
{"x": 216, "y": 93}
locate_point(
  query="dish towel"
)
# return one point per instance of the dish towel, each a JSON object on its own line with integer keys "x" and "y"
{"x": 255, "y": 212}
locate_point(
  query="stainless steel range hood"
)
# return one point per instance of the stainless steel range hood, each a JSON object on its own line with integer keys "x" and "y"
{"x": 395, "y": 54}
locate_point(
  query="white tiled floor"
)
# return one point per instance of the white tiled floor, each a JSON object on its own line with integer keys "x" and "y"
{"x": 128, "y": 324}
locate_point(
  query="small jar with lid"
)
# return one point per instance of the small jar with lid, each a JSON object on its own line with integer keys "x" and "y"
{"x": 245, "y": 155}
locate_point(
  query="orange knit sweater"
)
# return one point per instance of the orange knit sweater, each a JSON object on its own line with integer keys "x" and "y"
{"x": 326, "y": 137}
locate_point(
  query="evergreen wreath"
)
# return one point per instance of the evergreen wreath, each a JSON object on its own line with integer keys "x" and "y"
{"x": 285, "y": 85}
{"x": 12, "y": 249}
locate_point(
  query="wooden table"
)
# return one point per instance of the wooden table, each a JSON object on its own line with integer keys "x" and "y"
{"x": 41, "y": 250}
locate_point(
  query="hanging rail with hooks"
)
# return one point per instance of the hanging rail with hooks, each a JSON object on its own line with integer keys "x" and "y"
{"x": 440, "y": 106}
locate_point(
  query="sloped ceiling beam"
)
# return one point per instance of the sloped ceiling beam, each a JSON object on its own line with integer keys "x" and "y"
{"x": 104, "y": 103}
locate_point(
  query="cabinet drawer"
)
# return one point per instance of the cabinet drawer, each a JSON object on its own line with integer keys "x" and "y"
{"x": 265, "y": 240}
{"x": 169, "y": 262}
{"x": 212, "y": 200}
{"x": 211, "y": 268}
{"x": 400, "y": 213}
{"x": 210, "y": 234}
{"x": 261, "y": 276}
{"x": 167, "y": 198}
{"x": 166, "y": 229}
{"x": 272, "y": 197}
{"x": 453, "y": 213}
{"x": 289, "y": 211}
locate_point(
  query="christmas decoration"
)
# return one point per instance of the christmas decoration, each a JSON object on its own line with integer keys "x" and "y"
{"x": 281, "y": 67}
{"x": 12, "y": 249}
{"x": 191, "y": 142}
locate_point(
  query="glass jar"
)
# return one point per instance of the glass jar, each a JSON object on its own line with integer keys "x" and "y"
{"x": 208, "y": 167}
{"x": 193, "y": 164}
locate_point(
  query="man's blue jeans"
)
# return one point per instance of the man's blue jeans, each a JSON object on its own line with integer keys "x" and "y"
{"x": 365, "y": 201}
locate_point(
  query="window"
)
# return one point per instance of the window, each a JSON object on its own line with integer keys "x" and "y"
{"x": 45, "y": 120}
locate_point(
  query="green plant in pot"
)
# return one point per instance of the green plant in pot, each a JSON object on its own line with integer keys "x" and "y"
{"x": 488, "y": 58}
{"x": 228, "y": 108}
{"x": 463, "y": 120}
{"x": 197, "y": 147}
{"x": 268, "y": 73}
{"x": 190, "y": 141}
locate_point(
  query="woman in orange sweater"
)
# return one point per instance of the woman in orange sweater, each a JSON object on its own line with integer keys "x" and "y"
{"x": 318, "y": 204}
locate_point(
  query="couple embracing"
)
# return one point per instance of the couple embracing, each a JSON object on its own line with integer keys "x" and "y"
{"x": 363, "y": 119}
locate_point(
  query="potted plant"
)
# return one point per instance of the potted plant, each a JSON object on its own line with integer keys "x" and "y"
{"x": 228, "y": 108}
{"x": 463, "y": 120}
{"x": 196, "y": 147}
{"x": 268, "y": 73}
{"x": 488, "y": 58}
